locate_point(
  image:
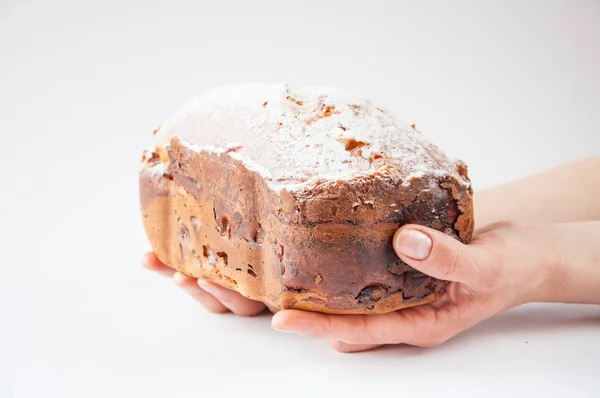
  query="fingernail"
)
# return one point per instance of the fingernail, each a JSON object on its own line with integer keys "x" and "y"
{"x": 276, "y": 324}
{"x": 413, "y": 244}
{"x": 179, "y": 278}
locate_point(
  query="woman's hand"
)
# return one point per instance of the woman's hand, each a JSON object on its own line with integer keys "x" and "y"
{"x": 504, "y": 266}
{"x": 213, "y": 297}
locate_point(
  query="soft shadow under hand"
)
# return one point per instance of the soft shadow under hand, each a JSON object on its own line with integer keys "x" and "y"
{"x": 528, "y": 319}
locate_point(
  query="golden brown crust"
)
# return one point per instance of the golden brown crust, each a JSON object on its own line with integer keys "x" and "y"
{"x": 324, "y": 248}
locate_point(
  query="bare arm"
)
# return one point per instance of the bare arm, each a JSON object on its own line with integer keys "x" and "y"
{"x": 567, "y": 193}
{"x": 574, "y": 276}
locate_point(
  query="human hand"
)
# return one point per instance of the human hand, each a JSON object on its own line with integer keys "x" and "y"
{"x": 504, "y": 266}
{"x": 213, "y": 297}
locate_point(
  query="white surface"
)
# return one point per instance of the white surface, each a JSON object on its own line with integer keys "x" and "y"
{"x": 512, "y": 89}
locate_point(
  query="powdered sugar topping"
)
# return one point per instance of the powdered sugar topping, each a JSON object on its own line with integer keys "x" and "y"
{"x": 293, "y": 135}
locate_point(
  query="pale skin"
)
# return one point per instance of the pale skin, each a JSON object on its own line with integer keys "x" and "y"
{"x": 537, "y": 240}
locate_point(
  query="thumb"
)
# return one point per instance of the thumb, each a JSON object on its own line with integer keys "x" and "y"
{"x": 436, "y": 254}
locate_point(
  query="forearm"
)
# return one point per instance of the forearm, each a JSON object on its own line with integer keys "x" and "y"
{"x": 568, "y": 193}
{"x": 573, "y": 275}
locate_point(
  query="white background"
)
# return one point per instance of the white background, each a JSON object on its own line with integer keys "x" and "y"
{"x": 510, "y": 87}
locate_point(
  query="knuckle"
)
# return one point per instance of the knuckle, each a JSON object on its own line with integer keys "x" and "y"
{"x": 506, "y": 224}
{"x": 216, "y": 309}
{"x": 453, "y": 263}
{"x": 432, "y": 341}
{"x": 367, "y": 332}
{"x": 355, "y": 330}
{"x": 439, "y": 330}
{"x": 512, "y": 224}
{"x": 250, "y": 311}
{"x": 372, "y": 332}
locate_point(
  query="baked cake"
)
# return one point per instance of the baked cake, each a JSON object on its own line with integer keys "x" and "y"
{"x": 291, "y": 196}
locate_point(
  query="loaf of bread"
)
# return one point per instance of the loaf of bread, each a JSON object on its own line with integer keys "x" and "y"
{"x": 291, "y": 196}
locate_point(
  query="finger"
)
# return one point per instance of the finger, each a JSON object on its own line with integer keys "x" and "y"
{"x": 234, "y": 301}
{"x": 271, "y": 308}
{"x": 151, "y": 262}
{"x": 414, "y": 326}
{"x": 350, "y": 329}
{"x": 436, "y": 254}
{"x": 350, "y": 348}
{"x": 190, "y": 286}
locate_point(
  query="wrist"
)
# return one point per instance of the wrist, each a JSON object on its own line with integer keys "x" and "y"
{"x": 550, "y": 285}
{"x": 571, "y": 272}
{"x": 540, "y": 265}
